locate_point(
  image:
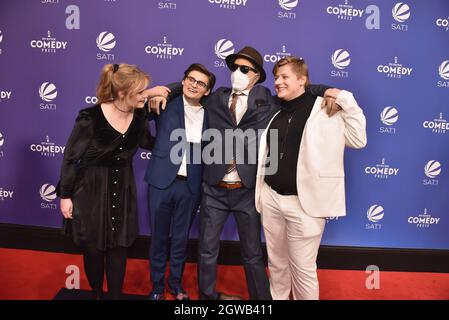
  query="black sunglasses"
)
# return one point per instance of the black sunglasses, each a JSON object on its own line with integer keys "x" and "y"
{"x": 243, "y": 69}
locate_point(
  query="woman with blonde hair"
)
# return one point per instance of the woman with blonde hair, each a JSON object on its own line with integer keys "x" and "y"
{"x": 97, "y": 186}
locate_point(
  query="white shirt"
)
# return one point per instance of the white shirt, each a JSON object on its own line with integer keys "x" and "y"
{"x": 240, "y": 110}
{"x": 193, "y": 118}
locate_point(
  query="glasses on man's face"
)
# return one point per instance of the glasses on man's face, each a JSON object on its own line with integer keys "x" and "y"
{"x": 243, "y": 69}
{"x": 199, "y": 83}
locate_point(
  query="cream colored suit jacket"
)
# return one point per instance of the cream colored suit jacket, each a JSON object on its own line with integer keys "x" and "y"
{"x": 320, "y": 167}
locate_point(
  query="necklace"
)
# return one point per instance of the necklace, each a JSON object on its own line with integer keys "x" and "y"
{"x": 285, "y": 135}
{"x": 115, "y": 106}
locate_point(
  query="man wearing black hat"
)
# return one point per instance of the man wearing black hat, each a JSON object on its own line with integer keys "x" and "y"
{"x": 228, "y": 186}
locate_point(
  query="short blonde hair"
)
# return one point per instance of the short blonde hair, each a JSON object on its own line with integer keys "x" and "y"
{"x": 298, "y": 65}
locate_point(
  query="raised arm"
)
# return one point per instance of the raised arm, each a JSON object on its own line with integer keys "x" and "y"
{"x": 318, "y": 89}
{"x": 355, "y": 122}
{"x": 159, "y": 94}
{"x": 159, "y": 101}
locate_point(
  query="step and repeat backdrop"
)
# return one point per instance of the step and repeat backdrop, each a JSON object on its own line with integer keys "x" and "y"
{"x": 394, "y": 57}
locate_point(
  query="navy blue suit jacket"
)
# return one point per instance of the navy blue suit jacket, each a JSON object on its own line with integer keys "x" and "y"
{"x": 161, "y": 171}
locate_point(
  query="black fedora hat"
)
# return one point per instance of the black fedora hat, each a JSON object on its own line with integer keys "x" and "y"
{"x": 251, "y": 54}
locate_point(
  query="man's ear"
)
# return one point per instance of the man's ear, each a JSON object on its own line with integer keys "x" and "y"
{"x": 207, "y": 92}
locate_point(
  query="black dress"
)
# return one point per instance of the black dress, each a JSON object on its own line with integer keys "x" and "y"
{"x": 97, "y": 174}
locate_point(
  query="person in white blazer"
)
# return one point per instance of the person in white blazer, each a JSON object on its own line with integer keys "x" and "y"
{"x": 307, "y": 184}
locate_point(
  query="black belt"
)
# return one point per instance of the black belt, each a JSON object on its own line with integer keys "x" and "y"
{"x": 179, "y": 177}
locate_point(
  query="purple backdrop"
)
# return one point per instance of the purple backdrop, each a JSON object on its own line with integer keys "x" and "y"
{"x": 393, "y": 55}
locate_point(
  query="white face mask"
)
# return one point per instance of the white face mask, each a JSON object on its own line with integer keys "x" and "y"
{"x": 239, "y": 80}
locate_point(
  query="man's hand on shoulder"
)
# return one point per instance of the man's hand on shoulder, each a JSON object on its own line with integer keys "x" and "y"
{"x": 157, "y": 98}
{"x": 330, "y": 95}
{"x": 156, "y": 103}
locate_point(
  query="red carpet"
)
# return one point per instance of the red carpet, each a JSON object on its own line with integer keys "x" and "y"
{"x": 26, "y": 274}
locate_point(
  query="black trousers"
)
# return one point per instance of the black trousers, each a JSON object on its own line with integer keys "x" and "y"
{"x": 113, "y": 261}
{"x": 216, "y": 204}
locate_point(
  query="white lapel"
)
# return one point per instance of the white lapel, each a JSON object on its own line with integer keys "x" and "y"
{"x": 263, "y": 149}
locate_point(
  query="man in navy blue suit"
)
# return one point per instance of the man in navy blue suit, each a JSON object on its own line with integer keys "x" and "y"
{"x": 174, "y": 176}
